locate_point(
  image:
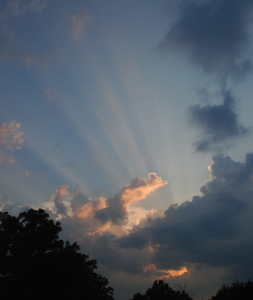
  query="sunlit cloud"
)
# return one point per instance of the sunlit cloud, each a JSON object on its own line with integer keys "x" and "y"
{"x": 88, "y": 210}
{"x": 12, "y": 50}
{"x": 139, "y": 188}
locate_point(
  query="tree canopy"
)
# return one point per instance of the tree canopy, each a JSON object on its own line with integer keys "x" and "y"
{"x": 162, "y": 291}
{"x": 35, "y": 263}
{"x": 235, "y": 291}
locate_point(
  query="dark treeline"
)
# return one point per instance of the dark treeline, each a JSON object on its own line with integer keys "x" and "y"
{"x": 36, "y": 264}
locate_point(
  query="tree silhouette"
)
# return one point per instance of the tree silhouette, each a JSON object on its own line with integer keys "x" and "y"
{"x": 36, "y": 264}
{"x": 235, "y": 291}
{"x": 162, "y": 291}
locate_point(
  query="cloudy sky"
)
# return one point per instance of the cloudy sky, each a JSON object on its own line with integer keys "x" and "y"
{"x": 131, "y": 121}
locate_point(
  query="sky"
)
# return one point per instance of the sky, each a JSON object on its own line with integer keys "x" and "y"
{"x": 130, "y": 121}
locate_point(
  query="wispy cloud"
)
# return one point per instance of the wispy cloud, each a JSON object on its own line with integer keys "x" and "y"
{"x": 10, "y": 138}
{"x": 79, "y": 21}
{"x": 21, "y": 7}
{"x": 10, "y": 50}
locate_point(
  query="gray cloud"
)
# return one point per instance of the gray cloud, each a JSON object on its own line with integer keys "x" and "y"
{"x": 15, "y": 209}
{"x": 213, "y": 34}
{"x": 78, "y": 200}
{"x": 58, "y": 199}
{"x": 218, "y": 123}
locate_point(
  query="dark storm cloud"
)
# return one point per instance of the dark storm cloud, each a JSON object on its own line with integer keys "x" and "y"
{"x": 218, "y": 123}
{"x": 213, "y": 34}
{"x": 213, "y": 229}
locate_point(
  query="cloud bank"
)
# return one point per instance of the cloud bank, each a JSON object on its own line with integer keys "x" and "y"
{"x": 211, "y": 233}
{"x": 213, "y": 229}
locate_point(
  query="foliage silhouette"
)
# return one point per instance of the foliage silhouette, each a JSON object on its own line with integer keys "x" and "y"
{"x": 235, "y": 291}
{"x": 36, "y": 264}
{"x": 162, "y": 291}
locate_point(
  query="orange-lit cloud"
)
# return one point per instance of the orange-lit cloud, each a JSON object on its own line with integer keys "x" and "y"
{"x": 139, "y": 188}
{"x": 85, "y": 216}
{"x": 160, "y": 274}
{"x": 10, "y": 138}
